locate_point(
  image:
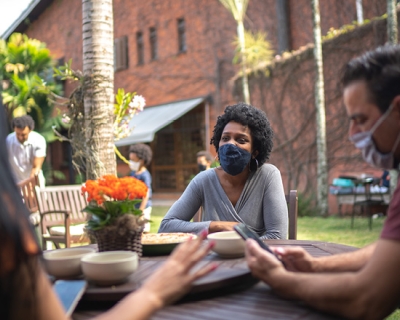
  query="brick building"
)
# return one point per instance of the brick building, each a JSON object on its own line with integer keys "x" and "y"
{"x": 179, "y": 53}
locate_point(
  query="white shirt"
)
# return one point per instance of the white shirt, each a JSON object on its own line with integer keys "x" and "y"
{"x": 21, "y": 155}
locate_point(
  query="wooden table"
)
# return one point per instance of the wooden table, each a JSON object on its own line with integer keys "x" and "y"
{"x": 247, "y": 300}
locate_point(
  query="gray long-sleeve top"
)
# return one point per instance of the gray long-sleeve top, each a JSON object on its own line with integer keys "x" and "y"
{"x": 261, "y": 206}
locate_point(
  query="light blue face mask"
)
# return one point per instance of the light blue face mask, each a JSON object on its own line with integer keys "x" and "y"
{"x": 370, "y": 153}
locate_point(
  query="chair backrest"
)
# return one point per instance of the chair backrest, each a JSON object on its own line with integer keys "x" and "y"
{"x": 27, "y": 188}
{"x": 292, "y": 201}
{"x": 61, "y": 198}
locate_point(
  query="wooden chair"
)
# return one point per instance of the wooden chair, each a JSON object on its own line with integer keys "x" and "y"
{"x": 28, "y": 193}
{"x": 292, "y": 201}
{"x": 62, "y": 219}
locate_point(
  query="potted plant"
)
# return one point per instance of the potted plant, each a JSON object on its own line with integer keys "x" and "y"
{"x": 115, "y": 222}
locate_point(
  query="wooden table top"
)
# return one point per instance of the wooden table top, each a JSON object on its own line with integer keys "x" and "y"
{"x": 241, "y": 297}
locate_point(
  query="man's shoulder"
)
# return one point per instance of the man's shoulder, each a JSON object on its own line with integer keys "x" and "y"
{"x": 36, "y": 138}
{"x": 11, "y": 139}
{"x": 10, "y": 136}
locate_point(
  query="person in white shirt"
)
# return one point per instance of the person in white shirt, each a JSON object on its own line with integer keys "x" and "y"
{"x": 27, "y": 150}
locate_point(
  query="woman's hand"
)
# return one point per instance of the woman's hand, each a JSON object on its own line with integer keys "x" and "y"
{"x": 296, "y": 259}
{"x": 175, "y": 277}
{"x": 217, "y": 226}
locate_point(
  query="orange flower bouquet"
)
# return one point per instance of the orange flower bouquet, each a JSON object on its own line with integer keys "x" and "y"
{"x": 115, "y": 221}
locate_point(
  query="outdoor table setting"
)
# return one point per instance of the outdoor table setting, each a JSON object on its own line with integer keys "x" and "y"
{"x": 228, "y": 292}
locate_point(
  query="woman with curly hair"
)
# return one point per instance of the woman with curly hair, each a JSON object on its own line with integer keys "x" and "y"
{"x": 139, "y": 159}
{"x": 243, "y": 189}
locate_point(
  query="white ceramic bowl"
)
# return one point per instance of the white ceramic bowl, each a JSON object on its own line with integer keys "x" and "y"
{"x": 109, "y": 267}
{"x": 227, "y": 244}
{"x": 65, "y": 263}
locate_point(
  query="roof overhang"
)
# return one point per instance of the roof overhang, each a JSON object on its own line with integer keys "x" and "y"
{"x": 146, "y": 123}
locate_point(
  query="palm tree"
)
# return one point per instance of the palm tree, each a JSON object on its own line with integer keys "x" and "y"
{"x": 98, "y": 73}
{"x": 238, "y": 9}
{"x": 392, "y": 21}
{"x": 359, "y": 9}
{"x": 322, "y": 166}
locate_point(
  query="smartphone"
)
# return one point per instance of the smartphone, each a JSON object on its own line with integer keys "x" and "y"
{"x": 69, "y": 293}
{"x": 246, "y": 233}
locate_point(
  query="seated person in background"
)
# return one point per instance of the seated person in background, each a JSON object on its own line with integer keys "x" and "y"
{"x": 139, "y": 159}
{"x": 243, "y": 189}
{"x": 25, "y": 290}
{"x": 204, "y": 160}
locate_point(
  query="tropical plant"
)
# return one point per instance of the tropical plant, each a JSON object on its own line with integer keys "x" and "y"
{"x": 238, "y": 10}
{"x": 27, "y": 82}
{"x": 258, "y": 49}
{"x": 127, "y": 105}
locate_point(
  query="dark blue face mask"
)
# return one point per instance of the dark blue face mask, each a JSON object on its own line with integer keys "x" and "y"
{"x": 233, "y": 159}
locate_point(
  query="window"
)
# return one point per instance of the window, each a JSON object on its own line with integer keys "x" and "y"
{"x": 121, "y": 53}
{"x": 153, "y": 43}
{"x": 181, "y": 36}
{"x": 140, "y": 48}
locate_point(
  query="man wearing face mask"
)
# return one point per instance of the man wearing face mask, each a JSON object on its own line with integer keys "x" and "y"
{"x": 364, "y": 284}
{"x": 204, "y": 160}
{"x": 140, "y": 156}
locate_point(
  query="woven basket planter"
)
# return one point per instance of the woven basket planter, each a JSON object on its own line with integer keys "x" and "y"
{"x": 124, "y": 235}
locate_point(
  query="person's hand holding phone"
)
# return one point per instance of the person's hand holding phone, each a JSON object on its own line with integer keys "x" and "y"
{"x": 263, "y": 264}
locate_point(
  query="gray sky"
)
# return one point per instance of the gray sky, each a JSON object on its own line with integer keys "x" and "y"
{"x": 10, "y": 11}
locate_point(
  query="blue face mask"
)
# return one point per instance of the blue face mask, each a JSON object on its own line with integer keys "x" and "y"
{"x": 233, "y": 159}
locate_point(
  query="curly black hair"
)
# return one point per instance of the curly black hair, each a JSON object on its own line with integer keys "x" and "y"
{"x": 23, "y": 122}
{"x": 143, "y": 152}
{"x": 256, "y": 120}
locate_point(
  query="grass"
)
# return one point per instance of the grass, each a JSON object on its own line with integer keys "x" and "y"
{"x": 338, "y": 230}
{"x": 332, "y": 229}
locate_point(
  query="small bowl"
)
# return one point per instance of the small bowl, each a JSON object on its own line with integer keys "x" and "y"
{"x": 65, "y": 263}
{"x": 228, "y": 244}
{"x": 109, "y": 267}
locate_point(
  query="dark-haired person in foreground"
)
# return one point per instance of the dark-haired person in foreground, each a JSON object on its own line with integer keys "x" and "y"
{"x": 243, "y": 189}
{"x": 25, "y": 291}
{"x": 364, "y": 284}
{"x": 26, "y": 149}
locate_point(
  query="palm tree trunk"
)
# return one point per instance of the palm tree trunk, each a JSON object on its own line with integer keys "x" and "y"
{"x": 322, "y": 167}
{"x": 359, "y": 9}
{"x": 98, "y": 70}
{"x": 392, "y": 21}
{"x": 245, "y": 81}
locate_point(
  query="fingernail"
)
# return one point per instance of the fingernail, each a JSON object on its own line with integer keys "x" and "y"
{"x": 280, "y": 250}
{"x": 204, "y": 233}
{"x": 211, "y": 244}
{"x": 214, "y": 266}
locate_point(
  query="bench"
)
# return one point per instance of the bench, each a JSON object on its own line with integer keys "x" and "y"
{"x": 62, "y": 219}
